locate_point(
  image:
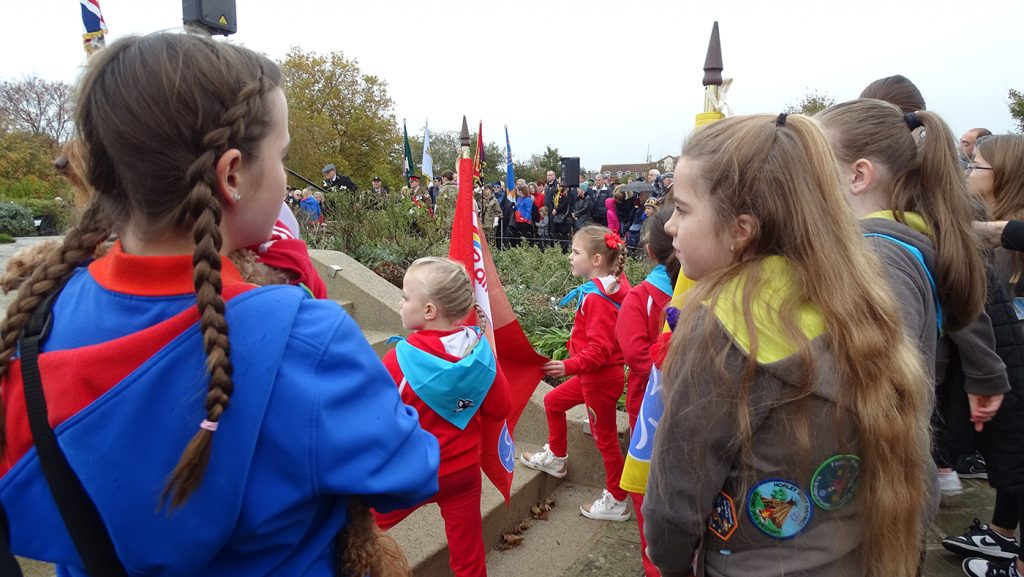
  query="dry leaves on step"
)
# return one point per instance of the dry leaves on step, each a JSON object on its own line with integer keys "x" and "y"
{"x": 513, "y": 539}
{"x": 540, "y": 510}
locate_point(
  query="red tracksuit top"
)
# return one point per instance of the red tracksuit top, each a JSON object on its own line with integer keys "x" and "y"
{"x": 641, "y": 320}
{"x": 594, "y": 354}
{"x": 459, "y": 448}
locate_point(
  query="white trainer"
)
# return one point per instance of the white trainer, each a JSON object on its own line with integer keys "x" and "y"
{"x": 950, "y": 483}
{"x": 546, "y": 461}
{"x": 607, "y": 508}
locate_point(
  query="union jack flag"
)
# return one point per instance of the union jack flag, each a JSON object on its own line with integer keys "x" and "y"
{"x": 95, "y": 26}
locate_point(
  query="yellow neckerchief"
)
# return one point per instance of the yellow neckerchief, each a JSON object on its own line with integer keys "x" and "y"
{"x": 912, "y": 219}
{"x": 772, "y": 343}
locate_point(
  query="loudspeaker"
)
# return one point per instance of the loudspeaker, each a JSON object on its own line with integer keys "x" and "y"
{"x": 216, "y": 16}
{"x": 570, "y": 170}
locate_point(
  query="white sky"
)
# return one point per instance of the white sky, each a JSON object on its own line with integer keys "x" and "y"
{"x": 607, "y": 81}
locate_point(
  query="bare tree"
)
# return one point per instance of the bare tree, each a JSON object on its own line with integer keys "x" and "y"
{"x": 35, "y": 105}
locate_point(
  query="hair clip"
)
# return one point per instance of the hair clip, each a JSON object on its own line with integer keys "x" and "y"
{"x": 208, "y": 425}
{"x": 612, "y": 240}
{"x": 781, "y": 120}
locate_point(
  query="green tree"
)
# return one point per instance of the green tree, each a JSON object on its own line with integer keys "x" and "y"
{"x": 550, "y": 160}
{"x": 812, "y": 103}
{"x": 341, "y": 116}
{"x": 1017, "y": 108}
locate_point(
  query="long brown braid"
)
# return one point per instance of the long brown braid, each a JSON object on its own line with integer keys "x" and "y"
{"x": 202, "y": 208}
{"x": 79, "y": 244}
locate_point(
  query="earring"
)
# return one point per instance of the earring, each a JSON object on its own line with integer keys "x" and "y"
{"x": 237, "y": 197}
{"x": 732, "y": 248}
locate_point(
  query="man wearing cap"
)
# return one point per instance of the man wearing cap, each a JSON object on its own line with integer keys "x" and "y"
{"x": 333, "y": 180}
{"x": 419, "y": 195}
{"x": 378, "y": 187}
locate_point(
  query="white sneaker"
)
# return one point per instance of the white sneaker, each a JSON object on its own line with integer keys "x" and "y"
{"x": 950, "y": 484}
{"x": 546, "y": 461}
{"x": 607, "y": 508}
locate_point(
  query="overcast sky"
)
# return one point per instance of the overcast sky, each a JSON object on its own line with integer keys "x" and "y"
{"x": 610, "y": 82}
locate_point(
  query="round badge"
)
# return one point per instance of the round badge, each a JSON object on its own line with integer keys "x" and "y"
{"x": 834, "y": 484}
{"x": 506, "y": 449}
{"x": 779, "y": 508}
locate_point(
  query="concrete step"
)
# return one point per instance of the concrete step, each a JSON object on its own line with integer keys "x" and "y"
{"x": 569, "y": 544}
{"x": 379, "y": 340}
{"x": 585, "y": 464}
{"x": 349, "y": 307}
{"x": 422, "y": 537}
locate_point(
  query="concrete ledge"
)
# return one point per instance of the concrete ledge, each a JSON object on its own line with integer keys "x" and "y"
{"x": 585, "y": 464}
{"x": 422, "y": 537}
{"x": 371, "y": 300}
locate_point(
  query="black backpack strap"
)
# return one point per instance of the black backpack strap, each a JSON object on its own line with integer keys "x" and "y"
{"x": 82, "y": 519}
{"x": 9, "y": 566}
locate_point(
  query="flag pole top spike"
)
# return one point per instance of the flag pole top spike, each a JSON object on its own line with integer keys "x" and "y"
{"x": 713, "y": 60}
{"x": 464, "y": 134}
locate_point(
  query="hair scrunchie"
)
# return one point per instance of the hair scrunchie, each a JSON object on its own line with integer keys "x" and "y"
{"x": 912, "y": 120}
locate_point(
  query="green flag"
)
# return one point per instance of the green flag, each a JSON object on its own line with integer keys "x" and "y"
{"x": 409, "y": 166}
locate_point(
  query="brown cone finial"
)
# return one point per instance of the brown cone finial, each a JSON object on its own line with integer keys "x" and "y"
{"x": 713, "y": 61}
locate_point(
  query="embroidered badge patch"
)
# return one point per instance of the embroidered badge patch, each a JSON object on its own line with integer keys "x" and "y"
{"x": 506, "y": 449}
{"x": 723, "y": 517}
{"x": 778, "y": 508}
{"x": 834, "y": 484}
{"x": 463, "y": 404}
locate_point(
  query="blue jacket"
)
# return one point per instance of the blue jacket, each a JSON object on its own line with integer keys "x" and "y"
{"x": 314, "y": 419}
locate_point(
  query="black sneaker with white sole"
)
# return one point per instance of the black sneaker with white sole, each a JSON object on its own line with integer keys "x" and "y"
{"x": 977, "y": 567}
{"x": 981, "y": 540}
{"x": 971, "y": 467}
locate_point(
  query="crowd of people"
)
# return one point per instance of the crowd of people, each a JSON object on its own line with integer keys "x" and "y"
{"x": 844, "y": 343}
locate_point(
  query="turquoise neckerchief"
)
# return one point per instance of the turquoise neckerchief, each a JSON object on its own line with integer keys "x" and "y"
{"x": 581, "y": 292}
{"x": 660, "y": 279}
{"x": 453, "y": 390}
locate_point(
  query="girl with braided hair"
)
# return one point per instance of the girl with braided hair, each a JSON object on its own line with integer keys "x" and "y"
{"x": 183, "y": 139}
{"x": 595, "y": 360}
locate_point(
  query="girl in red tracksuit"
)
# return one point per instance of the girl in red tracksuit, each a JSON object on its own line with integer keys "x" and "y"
{"x": 641, "y": 321}
{"x": 599, "y": 255}
{"x": 449, "y": 374}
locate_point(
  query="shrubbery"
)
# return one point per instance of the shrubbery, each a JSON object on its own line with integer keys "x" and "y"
{"x": 16, "y": 220}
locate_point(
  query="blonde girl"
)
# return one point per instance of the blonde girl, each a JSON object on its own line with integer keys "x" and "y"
{"x": 794, "y": 436}
{"x": 596, "y": 363}
{"x": 448, "y": 373}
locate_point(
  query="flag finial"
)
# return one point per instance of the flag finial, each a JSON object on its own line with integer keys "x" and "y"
{"x": 464, "y": 138}
{"x": 713, "y": 61}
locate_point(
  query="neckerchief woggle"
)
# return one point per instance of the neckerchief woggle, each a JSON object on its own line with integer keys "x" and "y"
{"x": 452, "y": 390}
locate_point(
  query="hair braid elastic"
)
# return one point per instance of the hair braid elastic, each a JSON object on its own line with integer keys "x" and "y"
{"x": 203, "y": 210}
{"x": 79, "y": 244}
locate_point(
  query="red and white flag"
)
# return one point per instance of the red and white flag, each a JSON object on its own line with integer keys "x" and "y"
{"x": 516, "y": 357}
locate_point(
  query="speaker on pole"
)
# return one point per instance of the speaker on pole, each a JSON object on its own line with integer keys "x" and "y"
{"x": 570, "y": 170}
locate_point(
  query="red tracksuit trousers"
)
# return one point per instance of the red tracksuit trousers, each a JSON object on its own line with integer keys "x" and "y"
{"x": 459, "y": 499}
{"x": 600, "y": 399}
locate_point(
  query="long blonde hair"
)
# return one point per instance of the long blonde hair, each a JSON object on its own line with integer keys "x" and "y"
{"x": 783, "y": 174}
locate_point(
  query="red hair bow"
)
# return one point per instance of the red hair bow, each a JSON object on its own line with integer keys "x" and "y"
{"x": 613, "y": 240}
